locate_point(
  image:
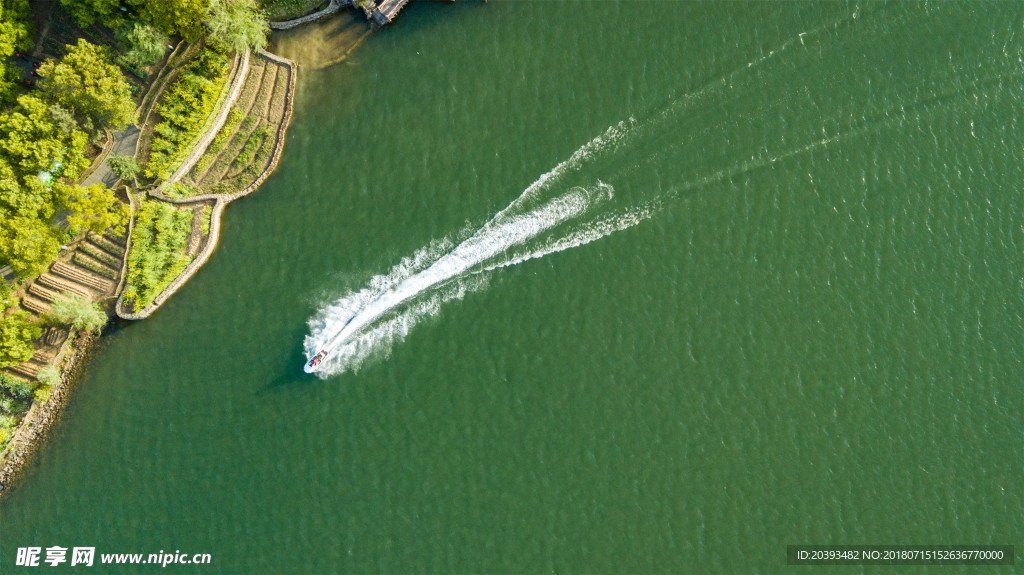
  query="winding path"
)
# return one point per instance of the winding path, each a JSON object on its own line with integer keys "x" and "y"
{"x": 123, "y": 145}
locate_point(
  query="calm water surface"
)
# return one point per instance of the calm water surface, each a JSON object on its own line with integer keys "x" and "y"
{"x": 816, "y": 337}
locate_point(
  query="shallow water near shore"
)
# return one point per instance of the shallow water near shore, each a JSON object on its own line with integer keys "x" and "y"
{"x": 815, "y": 337}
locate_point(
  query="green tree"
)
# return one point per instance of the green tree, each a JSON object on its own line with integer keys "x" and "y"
{"x": 18, "y": 15}
{"x": 77, "y": 312}
{"x": 63, "y": 119}
{"x": 9, "y": 33}
{"x": 28, "y": 244}
{"x": 27, "y": 241}
{"x": 88, "y": 11}
{"x": 124, "y": 167}
{"x": 7, "y": 299}
{"x": 17, "y": 330}
{"x": 35, "y": 200}
{"x": 14, "y": 34}
{"x": 32, "y": 143}
{"x": 95, "y": 208}
{"x": 173, "y": 17}
{"x": 85, "y": 81}
{"x": 238, "y": 24}
{"x": 145, "y": 44}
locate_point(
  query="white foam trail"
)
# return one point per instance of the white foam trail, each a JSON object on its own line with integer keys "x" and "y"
{"x": 596, "y": 230}
{"x": 377, "y": 340}
{"x": 335, "y": 328}
{"x": 342, "y": 310}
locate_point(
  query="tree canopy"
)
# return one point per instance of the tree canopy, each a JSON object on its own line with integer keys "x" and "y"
{"x": 144, "y": 45}
{"x": 31, "y": 142}
{"x": 28, "y": 240}
{"x": 17, "y": 330}
{"x": 173, "y": 17}
{"x": 35, "y": 151}
{"x": 27, "y": 244}
{"x": 88, "y": 11}
{"x": 86, "y": 82}
{"x": 13, "y": 34}
{"x": 238, "y": 24}
{"x": 95, "y": 208}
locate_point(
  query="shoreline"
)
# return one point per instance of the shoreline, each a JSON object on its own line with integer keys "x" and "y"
{"x": 29, "y": 438}
{"x": 40, "y": 419}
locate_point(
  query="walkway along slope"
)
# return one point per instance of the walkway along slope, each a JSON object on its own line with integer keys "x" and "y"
{"x": 241, "y": 70}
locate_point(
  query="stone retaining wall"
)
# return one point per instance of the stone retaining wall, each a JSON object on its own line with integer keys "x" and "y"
{"x": 221, "y": 202}
{"x": 331, "y": 8}
{"x": 127, "y": 243}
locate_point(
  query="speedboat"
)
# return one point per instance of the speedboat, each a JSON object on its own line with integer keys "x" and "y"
{"x": 314, "y": 361}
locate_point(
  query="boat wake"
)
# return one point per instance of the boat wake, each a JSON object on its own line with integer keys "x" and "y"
{"x": 367, "y": 323}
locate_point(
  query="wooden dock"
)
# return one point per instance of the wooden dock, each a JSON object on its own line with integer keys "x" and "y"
{"x": 386, "y": 11}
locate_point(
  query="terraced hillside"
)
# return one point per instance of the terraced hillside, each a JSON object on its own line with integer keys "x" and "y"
{"x": 244, "y": 147}
{"x": 91, "y": 269}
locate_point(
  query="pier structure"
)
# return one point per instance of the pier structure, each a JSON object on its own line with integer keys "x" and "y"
{"x": 386, "y": 11}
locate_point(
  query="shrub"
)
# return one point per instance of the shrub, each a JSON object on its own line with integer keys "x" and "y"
{"x": 42, "y": 393}
{"x": 181, "y": 190}
{"x": 7, "y": 299}
{"x": 14, "y": 406}
{"x": 7, "y": 425}
{"x": 15, "y": 387}
{"x": 77, "y": 312}
{"x": 124, "y": 167}
{"x": 49, "y": 376}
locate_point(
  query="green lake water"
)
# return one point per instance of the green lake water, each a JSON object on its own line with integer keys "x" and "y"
{"x": 816, "y": 336}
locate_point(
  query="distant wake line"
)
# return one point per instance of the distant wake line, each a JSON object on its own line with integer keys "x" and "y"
{"x": 564, "y": 208}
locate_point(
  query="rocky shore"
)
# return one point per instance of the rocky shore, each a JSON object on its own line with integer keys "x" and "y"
{"x": 41, "y": 417}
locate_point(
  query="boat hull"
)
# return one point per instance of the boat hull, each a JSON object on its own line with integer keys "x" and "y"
{"x": 314, "y": 362}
